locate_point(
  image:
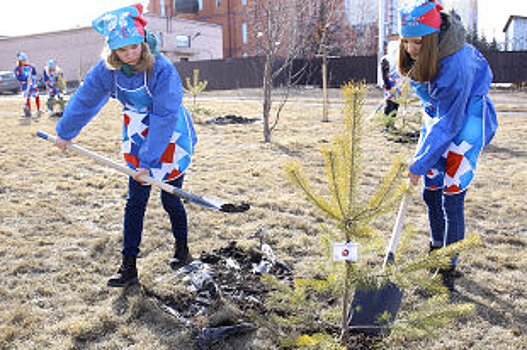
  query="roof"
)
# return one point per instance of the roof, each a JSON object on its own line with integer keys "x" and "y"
{"x": 511, "y": 18}
{"x": 45, "y": 33}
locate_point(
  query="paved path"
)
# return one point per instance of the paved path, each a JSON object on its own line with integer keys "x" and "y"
{"x": 507, "y": 102}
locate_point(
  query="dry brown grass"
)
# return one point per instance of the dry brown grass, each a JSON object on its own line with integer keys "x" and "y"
{"x": 61, "y": 215}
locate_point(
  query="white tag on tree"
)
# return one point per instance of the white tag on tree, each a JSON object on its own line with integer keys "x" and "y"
{"x": 345, "y": 251}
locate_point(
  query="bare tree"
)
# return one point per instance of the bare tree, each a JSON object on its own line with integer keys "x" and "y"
{"x": 362, "y": 16}
{"x": 328, "y": 17}
{"x": 279, "y": 39}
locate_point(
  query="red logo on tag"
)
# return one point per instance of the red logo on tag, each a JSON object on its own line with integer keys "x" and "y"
{"x": 345, "y": 252}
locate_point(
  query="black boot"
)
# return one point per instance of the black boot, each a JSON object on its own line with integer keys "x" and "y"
{"x": 127, "y": 273}
{"x": 449, "y": 276}
{"x": 181, "y": 255}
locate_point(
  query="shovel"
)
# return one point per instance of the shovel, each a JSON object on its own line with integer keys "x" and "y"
{"x": 369, "y": 305}
{"x": 203, "y": 201}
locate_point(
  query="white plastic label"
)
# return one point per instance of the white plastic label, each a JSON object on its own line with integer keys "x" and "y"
{"x": 345, "y": 251}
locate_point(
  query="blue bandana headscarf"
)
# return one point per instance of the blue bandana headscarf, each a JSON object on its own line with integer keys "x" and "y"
{"x": 122, "y": 27}
{"x": 420, "y": 18}
{"x": 21, "y": 56}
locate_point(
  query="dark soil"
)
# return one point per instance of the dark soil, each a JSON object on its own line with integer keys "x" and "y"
{"x": 230, "y": 119}
{"x": 360, "y": 341}
{"x": 400, "y": 136}
{"x": 224, "y": 279}
{"x": 225, "y": 287}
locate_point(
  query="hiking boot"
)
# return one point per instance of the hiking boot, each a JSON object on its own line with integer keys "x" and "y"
{"x": 27, "y": 111}
{"x": 127, "y": 273}
{"x": 181, "y": 255}
{"x": 449, "y": 276}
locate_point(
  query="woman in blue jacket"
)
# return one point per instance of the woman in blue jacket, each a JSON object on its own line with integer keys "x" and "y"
{"x": 452, "y": 79}
{"x": 158, "y": 135}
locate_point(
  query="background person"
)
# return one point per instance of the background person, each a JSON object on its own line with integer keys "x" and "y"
{"x": 56, "y": 86}
{"x": 452, "y": 79}
{"x": 158, "y": 134}
{"x": 391, "y": 83}
{"x": 26, "y": 74}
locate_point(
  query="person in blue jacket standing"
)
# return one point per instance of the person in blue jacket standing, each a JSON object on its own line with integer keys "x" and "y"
{"x": 452, "y": 79}
{"x": 158, "y": 134}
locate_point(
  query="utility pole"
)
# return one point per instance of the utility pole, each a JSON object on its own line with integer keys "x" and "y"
{"x": 382, "y": 37}
{"x": 324, "y": 78}
{"x": 229, "y": 27}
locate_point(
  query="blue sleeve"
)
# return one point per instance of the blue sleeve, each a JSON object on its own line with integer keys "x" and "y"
{"x": 451, "y": 91}
{"x": 167, "y": 95}
{"x": 19, "y": 74}
{"x": 87, "y": 101}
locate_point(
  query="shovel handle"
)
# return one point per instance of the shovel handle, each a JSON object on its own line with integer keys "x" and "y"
{"x": 396, "y": 232}
{"x": 148, "y": 179}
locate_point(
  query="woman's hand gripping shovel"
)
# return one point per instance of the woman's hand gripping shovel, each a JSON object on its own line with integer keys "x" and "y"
{"x": 203, "y": 201}
{"x": 370, "y": 305}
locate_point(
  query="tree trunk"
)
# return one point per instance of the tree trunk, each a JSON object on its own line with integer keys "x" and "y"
{"x": 324, "y": 84}
{"x": 267, "y": 102}
{"x": 346, "y": 295}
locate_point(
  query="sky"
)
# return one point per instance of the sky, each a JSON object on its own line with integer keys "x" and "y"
{"x": 39, "y": 16}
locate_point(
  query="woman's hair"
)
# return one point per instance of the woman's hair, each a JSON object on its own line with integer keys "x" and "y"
{"x": 145, "y": 62}
{"x": 425, "y": 67}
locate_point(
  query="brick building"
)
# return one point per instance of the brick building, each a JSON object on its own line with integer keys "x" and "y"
{"x": 238, "y": 17}
{"x": 232, "y": 15}
{"x": 354, "y": 31}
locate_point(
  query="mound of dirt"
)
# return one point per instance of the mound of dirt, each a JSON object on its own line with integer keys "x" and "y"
{"x": 224, "y": 279}
{"x": 230, "y": 119}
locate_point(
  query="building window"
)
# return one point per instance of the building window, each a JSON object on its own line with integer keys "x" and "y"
{"x": 244, "y": 32}
{"x": 183, "y": 59}
{"x": 162, "y": 6}
{"x": 218, "y": 3}
{"x": 200, "y": 5}
{"x": 244, "y": 2}
{"x": 183, "y": 41}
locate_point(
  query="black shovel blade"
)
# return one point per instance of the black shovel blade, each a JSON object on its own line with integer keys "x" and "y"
{"x": 369, "y": 305}
{"x": 235, "y": 208}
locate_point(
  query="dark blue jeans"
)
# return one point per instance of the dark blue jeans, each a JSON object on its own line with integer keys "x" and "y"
{"x": 446, "y": 215}
{"x": 134, "y": 214}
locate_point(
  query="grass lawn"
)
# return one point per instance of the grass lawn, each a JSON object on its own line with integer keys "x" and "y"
{"x": 61, "y": 221}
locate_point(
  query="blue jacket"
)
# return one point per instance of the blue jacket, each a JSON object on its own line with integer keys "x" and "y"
{"x": 462, "y": 76}
{"x": 99, "y": 85}
{"x": 456, "y": 100}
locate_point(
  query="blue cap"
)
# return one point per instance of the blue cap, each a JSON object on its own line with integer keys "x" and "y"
{"x": 419, "y": 18}
{"x": 21, "y": 56}
{"x": 51, "y": 63}
{"x": 122, "y": 27}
